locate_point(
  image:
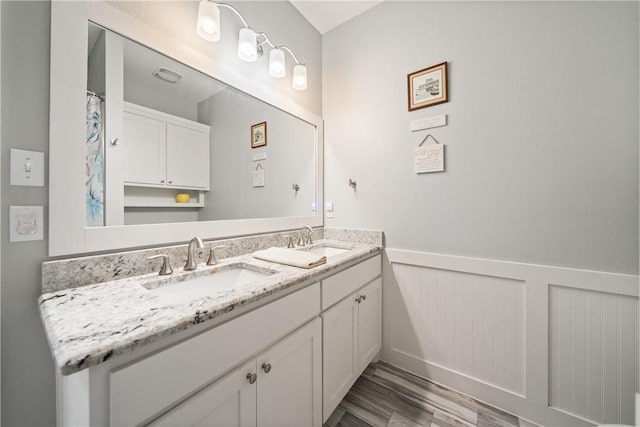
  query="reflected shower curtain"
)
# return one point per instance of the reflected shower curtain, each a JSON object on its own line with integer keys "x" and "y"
{"x": 94, "y": 163}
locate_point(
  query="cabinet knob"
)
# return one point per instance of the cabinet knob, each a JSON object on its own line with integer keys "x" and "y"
{"x": 162, "y": 181}
{"x": 358, "y": 300}
{"x": 364, "y": 297}
{"x": 115, "y": 141}
{"x": 170, "y": 182}
{"x": 266, "y": 367}
{"x": 252, "y": 378}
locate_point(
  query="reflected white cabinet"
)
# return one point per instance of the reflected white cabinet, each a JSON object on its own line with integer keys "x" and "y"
{"x": 165, "y": 151}
{"x": 352, "y": 336}
{"x": 281, "y": 387}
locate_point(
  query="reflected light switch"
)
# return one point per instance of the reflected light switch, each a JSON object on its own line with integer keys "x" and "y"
{"x": 25, "y": 223}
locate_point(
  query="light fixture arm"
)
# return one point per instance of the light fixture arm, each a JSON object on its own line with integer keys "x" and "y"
{"x": 293, "y": 55}
{"x": 233, "y": 9}
{"x": 266, "y": 40}
{"x": 249, "y": 49}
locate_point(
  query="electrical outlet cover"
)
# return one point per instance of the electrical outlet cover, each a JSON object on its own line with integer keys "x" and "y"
{"x": 26, "y": 223}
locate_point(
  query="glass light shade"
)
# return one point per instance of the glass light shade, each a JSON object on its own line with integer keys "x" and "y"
{"x": 247, "y": 45}
{"x": 277, "y": 66}
{"x": 299, "y": 77}
{"x": 208, "y": 26}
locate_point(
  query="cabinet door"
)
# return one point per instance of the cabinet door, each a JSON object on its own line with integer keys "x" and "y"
{"x": 290, "y": 380}
{"x": 187, "y": 157}
{"x": 144, "y": 150}
{"x": 228, "y": 402}
{"x": 369, "y": 323}
{"x": 339, "y": 352}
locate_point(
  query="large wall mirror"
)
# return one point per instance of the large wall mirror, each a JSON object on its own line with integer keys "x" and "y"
{"x": 162, "y": 122}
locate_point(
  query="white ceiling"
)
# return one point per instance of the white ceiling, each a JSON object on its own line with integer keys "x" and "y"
{"x": 328, "y": 14}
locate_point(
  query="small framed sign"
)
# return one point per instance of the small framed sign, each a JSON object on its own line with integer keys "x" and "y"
{"x": 428, "y": 87}
{"x": 259, "y": 135}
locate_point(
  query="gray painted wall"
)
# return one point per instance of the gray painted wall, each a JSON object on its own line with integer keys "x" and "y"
{"x": 542, "y": 141}
{"x": 139, "y": 93}
{"x": 28, "y": 391}
{"x": 28, "y": 384}
{"x": 290, "y": 159}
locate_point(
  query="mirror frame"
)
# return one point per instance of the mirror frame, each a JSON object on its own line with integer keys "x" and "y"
{"x": 68, "y": 233}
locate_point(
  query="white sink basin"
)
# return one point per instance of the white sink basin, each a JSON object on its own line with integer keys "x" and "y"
{"x": 325, "y": 250}
{"x": 207, "y": 285}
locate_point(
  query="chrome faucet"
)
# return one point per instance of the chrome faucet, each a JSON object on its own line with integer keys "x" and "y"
{"x": 192, "y": 262}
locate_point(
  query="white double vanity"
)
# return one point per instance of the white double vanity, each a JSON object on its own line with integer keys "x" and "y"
{"x": 240, "y": 342}
{"x": 281, "y": 349}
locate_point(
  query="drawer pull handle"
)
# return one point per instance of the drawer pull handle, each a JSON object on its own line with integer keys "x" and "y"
{"x": 252, "y": 378}
{"x": 266, "y": 367}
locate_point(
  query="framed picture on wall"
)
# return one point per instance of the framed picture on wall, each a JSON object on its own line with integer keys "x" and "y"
{"x": 428, "y": 87}
{"x": 259, "y": 135}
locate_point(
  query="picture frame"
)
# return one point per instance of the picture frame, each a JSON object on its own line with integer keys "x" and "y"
{"x": 428, "y": 87}
{"x": 259, "y": 135}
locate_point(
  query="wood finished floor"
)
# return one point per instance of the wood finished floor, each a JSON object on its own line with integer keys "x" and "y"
{"x": 385, "y": 396}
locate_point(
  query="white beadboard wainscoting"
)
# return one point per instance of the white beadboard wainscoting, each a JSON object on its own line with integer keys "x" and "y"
{"x": 558, "y": 346}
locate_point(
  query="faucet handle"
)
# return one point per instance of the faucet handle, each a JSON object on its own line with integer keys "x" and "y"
{"x": 166, "y": 269}
{"x": 309, "y": 241}
{"x": 212, "y": 260}
{"x": 289, "y": 241}
{"x": 301, "y": 239}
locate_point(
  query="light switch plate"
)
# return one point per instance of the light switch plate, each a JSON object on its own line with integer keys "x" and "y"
{"x": 26, "y": 223}
{"x": 27, "y": 168}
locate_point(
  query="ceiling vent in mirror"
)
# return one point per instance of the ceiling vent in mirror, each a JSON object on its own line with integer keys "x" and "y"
{"x": 167, "y": 75}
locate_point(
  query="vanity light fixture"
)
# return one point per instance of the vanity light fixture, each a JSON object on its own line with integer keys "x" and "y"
{"x": 249, "y": 43}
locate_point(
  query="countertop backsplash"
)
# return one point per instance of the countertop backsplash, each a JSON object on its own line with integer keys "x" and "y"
{"x": 75, "y": 272}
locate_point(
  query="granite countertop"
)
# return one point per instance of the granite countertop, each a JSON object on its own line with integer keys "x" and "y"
{"x": 88, "y": 325}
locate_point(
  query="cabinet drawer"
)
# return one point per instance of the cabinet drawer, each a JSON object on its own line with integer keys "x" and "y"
{"x": 143, "y": 389}
{"x": 342, "y": 284}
